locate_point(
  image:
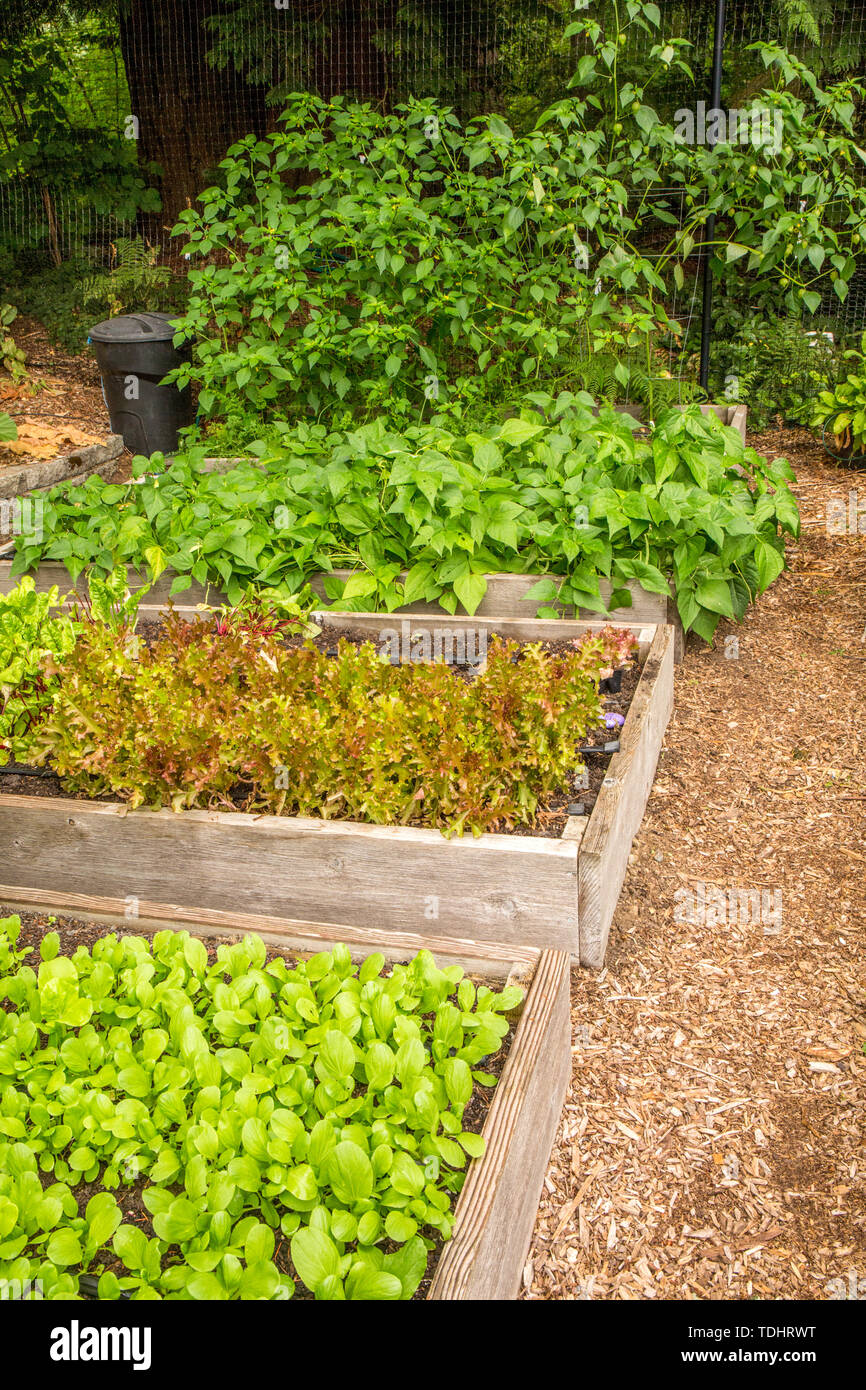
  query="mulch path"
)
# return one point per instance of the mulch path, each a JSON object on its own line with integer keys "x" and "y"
{"x": 712, "y": 1141}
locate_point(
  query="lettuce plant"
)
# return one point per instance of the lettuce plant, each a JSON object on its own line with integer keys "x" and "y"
{"x": 259, "y": 1102}
{"x": 208, "y": 709}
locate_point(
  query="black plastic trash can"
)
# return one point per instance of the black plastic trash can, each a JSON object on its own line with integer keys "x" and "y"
{"x": 134, "y": 353}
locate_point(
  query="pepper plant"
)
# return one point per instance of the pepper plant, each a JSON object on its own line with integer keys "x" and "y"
{"x": 392, "y": 261}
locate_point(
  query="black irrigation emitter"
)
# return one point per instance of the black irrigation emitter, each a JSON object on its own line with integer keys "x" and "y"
{"x": 611, "y": 685}
{"x": 612, "y": 747}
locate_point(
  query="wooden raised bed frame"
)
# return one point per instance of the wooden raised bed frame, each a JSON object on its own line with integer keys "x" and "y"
{"x": 505, "y": 597}
{"x": 518, "y": 890}
{"x": 497, "y": 1207}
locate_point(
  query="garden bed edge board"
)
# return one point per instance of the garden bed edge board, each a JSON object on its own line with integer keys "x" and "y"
{"x": 489, "y": 958}
{"x": 505, "y": 599}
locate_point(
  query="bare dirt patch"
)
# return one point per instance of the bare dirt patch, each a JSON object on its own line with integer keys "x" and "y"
{"x": 60, "y": 404}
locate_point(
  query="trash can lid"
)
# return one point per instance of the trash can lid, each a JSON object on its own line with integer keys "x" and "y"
{"x": 134, "y": 328}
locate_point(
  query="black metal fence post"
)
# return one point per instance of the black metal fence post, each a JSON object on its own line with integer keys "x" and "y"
{"x": 710, "y": 229}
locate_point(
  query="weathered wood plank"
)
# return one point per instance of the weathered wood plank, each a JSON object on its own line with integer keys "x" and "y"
{"x": 519, "y": 629}
{"x": 505, "y": 597}
{"x": 489, "y": 958}
{"x": 498, "y": 1205}
{"x": 737, "y": 418}
{"x": 621, "y": 802}
{"x": 51, "y": 573}
{"x": 493, "y": 888}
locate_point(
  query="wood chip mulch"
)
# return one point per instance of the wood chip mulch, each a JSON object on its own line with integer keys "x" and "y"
{"x": 61, "y": 391}
{"x": 711, "y": 1145}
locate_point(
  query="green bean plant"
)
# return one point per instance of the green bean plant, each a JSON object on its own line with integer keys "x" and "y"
{"x": 580, "y": 499}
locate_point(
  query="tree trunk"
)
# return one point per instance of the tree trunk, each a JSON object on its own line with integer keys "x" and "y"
{"x": 350, "y": 61}
{"x": 188, "y": 112}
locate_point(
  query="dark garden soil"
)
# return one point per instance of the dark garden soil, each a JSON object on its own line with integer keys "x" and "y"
{"x": 552, "y": 814}
{"x": 75, "y": 933}
{"x": 711, "y": 1145}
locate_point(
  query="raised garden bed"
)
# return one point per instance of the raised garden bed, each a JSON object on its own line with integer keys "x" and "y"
{"x": 495, "y": 1211}
{"x": 513, "y": 889}
{"x": 75, "y": 466}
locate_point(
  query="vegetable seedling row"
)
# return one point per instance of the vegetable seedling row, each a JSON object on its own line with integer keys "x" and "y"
{"x": 496, "y": 1209}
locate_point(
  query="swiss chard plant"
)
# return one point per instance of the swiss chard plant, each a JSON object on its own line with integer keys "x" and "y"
{"x": 32, "y": 634}
{"x": 211, "y": 713}
{"x": 841, "y": 411}
{"x": 425, "y": 514}
{"x": 286, "y": 1123}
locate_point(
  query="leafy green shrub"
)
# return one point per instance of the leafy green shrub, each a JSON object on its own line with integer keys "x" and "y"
{"x": 30, "y": 636}
{"x": 394, "y": 261}
{"x": 420, "y": 254}
{"x": 316, "y": 1101}
{"x": 211, "y": 706}
{"x": 776, "y": 368}
{"x": 553, "y": 491}
{"x": 842, "y": 410}
{"x": 12, "y": 359}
